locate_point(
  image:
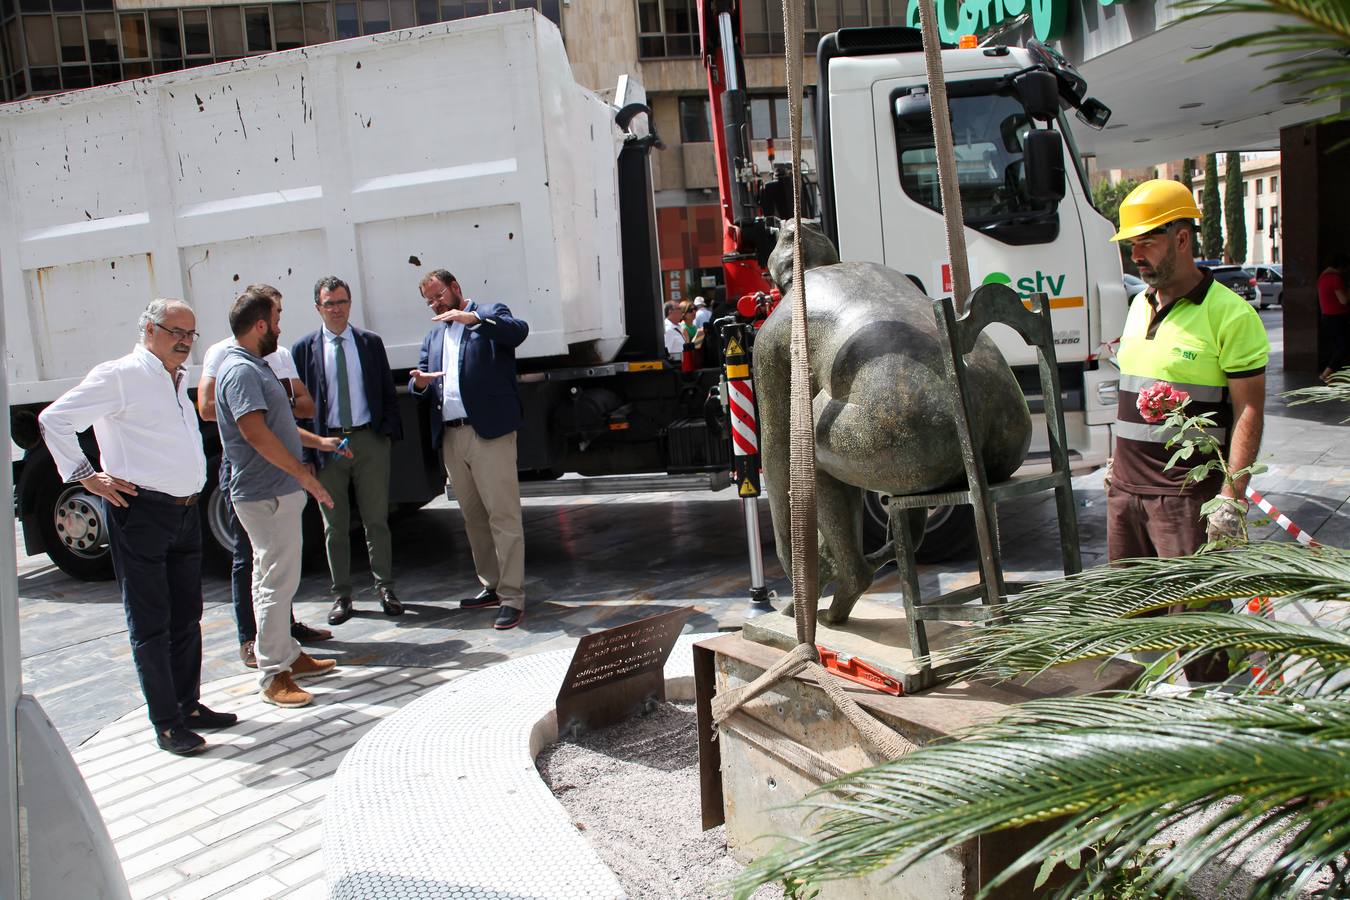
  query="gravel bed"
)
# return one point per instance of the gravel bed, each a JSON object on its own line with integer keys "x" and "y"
{"x": 632, "y": 789}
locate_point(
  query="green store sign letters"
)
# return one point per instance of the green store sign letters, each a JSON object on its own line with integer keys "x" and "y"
{"x": 958, "y": 17}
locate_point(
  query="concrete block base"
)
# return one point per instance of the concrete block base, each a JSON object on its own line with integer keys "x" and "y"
{"x": 789, "y": 741}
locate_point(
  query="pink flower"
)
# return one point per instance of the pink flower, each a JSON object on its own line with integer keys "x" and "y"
{"x": 1159, "y": 400}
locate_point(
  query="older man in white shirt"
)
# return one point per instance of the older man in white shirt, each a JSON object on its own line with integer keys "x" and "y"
{"x": 674, "y": 337}
{"x": 150, "y": 449}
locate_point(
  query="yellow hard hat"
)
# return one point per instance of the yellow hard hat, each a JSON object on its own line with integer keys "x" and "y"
{"x": 1152, "y": 204}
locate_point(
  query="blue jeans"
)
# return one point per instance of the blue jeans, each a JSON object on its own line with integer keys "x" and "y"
{"x": 157, "y": 556}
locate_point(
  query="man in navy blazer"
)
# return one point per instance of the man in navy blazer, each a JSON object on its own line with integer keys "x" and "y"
{"x": 347, "y": 371}
{"x": 467, "y": 373}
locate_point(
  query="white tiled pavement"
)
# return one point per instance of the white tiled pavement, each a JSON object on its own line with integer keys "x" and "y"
{"x": 442, "y": 800}
{"x": 243, "y": 818}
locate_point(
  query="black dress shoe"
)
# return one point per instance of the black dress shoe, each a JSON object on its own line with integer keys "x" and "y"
{"x": 306, "y": 634}
{"x": 180, "y": 741}
{"x": 508, "y": 617}
{"x": 485, "y": 597}
{"x": 341, "y": 611}
{"x": 389, "y": 602}
{"x": 201, "y": 717}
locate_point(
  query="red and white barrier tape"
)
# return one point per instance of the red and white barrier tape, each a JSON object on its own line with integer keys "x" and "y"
{"x": 1281, "y": 519}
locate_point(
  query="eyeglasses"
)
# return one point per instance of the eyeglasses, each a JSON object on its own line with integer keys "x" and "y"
{"x": 178, "y": 333}
{"x": 1149, "y": 236}
{"x": 334, "y": 304}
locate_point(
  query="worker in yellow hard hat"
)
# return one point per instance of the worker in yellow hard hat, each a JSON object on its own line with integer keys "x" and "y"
{"x": 1193, "y": 333}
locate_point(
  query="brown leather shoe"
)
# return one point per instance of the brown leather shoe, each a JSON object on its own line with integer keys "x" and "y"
{"x": 390, "y": 603}
{"x": 282, "y": 691}
{"x": 341, "y": 611}
{"x": 246, "y": 655}
{"x": 306, "y": 666}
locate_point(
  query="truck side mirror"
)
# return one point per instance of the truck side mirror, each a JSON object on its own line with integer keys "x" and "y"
{"x": 1039, "y": 93}
{"x": 1094, "y": 113}
{"x": 1043, "y": 163}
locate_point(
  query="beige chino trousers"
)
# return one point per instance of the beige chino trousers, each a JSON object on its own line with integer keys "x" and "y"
{"x": 273, "y": 528}
{"x": 483, "y": 475}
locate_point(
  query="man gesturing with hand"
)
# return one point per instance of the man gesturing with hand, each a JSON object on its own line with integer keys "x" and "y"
{"x": 467, "y": 373}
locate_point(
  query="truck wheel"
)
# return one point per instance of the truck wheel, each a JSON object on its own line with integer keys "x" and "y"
{"x": 948, "y": 534}
{"x": 217, "y": 539}
{"x": 75, "y": 531}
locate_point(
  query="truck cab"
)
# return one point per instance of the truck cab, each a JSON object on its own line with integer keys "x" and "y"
{"x": 881, "y": 202}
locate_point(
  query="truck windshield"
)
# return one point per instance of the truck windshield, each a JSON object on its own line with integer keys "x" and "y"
{"x": 988, "y": 130}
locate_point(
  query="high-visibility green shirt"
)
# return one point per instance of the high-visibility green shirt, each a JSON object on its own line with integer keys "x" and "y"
{"x": 1198, "y": 343}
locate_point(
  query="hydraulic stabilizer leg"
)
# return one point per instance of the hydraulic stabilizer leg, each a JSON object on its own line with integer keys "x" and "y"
{"x": 740, "y": 398}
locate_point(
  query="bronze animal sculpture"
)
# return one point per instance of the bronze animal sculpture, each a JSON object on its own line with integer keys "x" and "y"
{"x": 882, "y": 404}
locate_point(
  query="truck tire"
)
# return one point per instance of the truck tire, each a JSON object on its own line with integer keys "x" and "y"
{"x": 74, "y": 530}
{"x": 217, "y": 540}
{"x": 949, "y": 533}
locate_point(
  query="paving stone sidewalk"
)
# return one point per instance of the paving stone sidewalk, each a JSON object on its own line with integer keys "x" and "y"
{"x": 242, "y": 819}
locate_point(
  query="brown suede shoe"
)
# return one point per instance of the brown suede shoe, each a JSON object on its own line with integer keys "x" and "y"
{"x": 306, "y": 666}
{"x": 246, "y": 655}
{"x": 283, "y": 692}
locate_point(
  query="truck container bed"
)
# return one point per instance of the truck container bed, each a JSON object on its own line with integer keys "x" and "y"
{"x": 463, "y": 145}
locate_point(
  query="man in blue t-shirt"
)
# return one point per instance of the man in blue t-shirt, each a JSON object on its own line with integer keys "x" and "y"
{"x": 267, "y": 486}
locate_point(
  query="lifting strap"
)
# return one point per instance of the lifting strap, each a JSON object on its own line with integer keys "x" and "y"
{"x": 802, "y": 447}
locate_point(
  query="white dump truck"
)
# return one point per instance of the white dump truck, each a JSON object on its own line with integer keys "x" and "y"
{"x": 468, "y": 146}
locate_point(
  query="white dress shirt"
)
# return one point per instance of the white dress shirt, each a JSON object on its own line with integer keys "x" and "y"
{"x": 356, "y": 389}
{"x": 145, "y": 425}
{"x": 279, "y": 361}
{"x": 452, "y": 398}
{"x": 674, "y": 340}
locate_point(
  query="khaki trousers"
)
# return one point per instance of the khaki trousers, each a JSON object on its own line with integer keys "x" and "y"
{"x": 273, "y": 528}
{"x": 483, "y": 475}
{"x": 369, "y": 469}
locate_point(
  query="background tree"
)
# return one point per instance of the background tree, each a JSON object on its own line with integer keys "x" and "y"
{"x": 1211, "y": 225}
{"x": 1107, "y": 197}
{"x": 1188, "y": 179}
{"x": 1235, "y": 209}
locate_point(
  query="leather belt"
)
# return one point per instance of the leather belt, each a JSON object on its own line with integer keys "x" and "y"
{"x": 349, "y": 430}
{"x": 456, "y": 423}
{"x": 190, "y": 500}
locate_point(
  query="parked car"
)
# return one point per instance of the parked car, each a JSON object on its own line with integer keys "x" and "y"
{"x": 1270, "y": 282}
{"x": 1133, "y": 285}
{"x": 1239, "y": 280}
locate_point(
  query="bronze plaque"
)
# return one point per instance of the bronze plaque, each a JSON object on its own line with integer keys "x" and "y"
{"x": 615, "y": 672}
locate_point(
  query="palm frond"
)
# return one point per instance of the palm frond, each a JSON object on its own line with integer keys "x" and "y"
{"x": 1258, "y": 569}
{"x": 1005, "y": 650}
{"x": 1113, "y": 786}
{"x": 1336, "y": 390}
{"x": 1328, "y": 717}
{"x": 1318, "y": 32}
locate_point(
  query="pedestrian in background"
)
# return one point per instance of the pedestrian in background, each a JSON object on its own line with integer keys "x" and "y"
{"x": 467, "y": 373}
{"x": 241, "y": 567}
{"x": 268, "y": 488}
{"x": 1334, "y": 304}
{"x": 674, "y": 335}
{"x": 150, "y": 448}
{"x": 347, "y": 371}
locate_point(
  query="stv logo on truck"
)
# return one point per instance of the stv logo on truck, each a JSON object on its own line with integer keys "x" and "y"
{"x": 1026, "y": 285}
